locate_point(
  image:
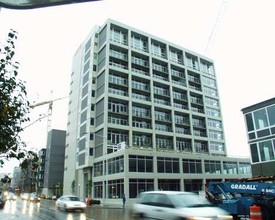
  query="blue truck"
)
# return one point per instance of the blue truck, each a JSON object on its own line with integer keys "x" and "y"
{"x": 238, "y": 196}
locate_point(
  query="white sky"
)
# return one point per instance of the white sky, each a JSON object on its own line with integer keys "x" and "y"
{"x": 242, "y": 48}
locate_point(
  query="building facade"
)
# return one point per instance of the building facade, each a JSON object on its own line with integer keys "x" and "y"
{"x": 41, "y": 170}
{"x": 54, "y": 163}
{"x": 144, "y": 114}
{"x": 260, "y": 127}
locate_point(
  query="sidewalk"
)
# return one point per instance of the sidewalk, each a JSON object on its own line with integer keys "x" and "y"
{"x": 107, "y": 206}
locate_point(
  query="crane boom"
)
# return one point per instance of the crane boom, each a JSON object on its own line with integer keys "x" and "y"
{"x": 46, "y": 102}
{"x": 50, "y": 102}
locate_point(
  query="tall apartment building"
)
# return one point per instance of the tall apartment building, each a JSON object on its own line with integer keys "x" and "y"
{"x": 144, "y": 114}
{"x": 260, "y": 127}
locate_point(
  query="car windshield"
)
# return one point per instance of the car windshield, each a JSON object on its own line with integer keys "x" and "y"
{"x": 189, "y": 200}
{"x": 72, "y": 198}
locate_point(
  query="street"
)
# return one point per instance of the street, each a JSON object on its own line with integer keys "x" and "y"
{"x": 45, "y": 210}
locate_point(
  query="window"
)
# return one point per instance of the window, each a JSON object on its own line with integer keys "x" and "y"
{"x": 213, "y": 112}
{"x": 244, "y": 168}
{"x": 115, "y": 137}
{"x": 192, "y": 62}
{"x": 140, "y": 164}
{"x": 98, "y": 169}
{"x": 118, "y": 36}
{"x": 163, "y": 143}
{"x": 207, "y": 68}
{"x": 218, "y": 135}
{"x": 168, "y": 165}
{"x": 93, "y": 93}
{"x": 83, "y": 116}
{"x": 213, "y": 167}
{"x": 254, "y": 153}
{"x": 210, "y": 91}
{"x": 216, "y": 146}
{"x": 271, "y": 115}
{"x": 139, "y": 43}
{"x": 117, "y": 107}
{"x": 212, "y": 102}
{"x": 137, "y": 186}
{"x": 192, "y": 166}
{"x": 249, "y": 122}
{"x": 116, "y": 165}
{"x": 260, "y": 118}
{"x": 230, "y": 168}
{"x": 176, "y": 56}
{"x": 92, "y": 121}
{"x": 158, "y": 50}
{"x": 209, "y": 82}
{"x": 92, "y": 107}
{"x": 214, "y": 123}
{"x": 115, "y": 188}
{"x": 98, "y": 190}
{"x": 142, "y": 140}
{"x": 193, "y": 185}
{"x": 266, "y": 151}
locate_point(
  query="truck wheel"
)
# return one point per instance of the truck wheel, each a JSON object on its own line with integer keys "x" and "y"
{"x": 236, "y": 217}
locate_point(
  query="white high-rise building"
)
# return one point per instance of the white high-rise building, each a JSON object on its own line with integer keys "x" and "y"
{"x": 144, "y": 114}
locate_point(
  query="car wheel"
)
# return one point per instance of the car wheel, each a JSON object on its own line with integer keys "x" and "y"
{"x": 141, "y": 216}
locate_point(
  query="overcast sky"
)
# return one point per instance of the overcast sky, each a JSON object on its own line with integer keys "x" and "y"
{"x": 237, "y": 34}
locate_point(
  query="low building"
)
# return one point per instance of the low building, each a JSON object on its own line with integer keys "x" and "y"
{"x": 260, "y": 127}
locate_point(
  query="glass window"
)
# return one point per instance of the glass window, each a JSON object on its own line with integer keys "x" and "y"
{"x": 266, "y": 151}
{"x": 260, "y": 118}
{"x": 137, "y": 186}
{"x": 230, "y": 168}
{"x": 249, "y": 122}
{"x": 254, "y": 153}
{"x": 251, "y": 135}
{"x": 140, "y": 164}
{"x": 168, "y": 165}
{"x": 244, "y": 168}
{"x": 213, "y": 167}
{"x": 192, "y": 166}
{"x": 271, "y": 115}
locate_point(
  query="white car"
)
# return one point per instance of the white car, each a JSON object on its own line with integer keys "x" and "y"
{"x": 174, "y": 205}
{"x": 70, "y": 203}
{"x": 11, "y": 196}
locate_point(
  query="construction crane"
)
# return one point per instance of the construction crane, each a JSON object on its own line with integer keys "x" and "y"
{"x": 217, "y": 23}
{"x": 50, "y": 102}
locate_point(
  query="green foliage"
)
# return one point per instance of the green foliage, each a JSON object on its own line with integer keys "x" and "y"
{"x": 31, "y": 162}
{"x": 6, "y": 179}
{"x": 14, "y": 107}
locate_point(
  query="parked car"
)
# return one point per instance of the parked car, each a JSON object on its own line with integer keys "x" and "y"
{"x": 34, "y": 197}
{"x": 11, "y": 196}
{"x": 2, "y": 201}
{"x": 70, "y": 203}
{"x": 174, "y": 205}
